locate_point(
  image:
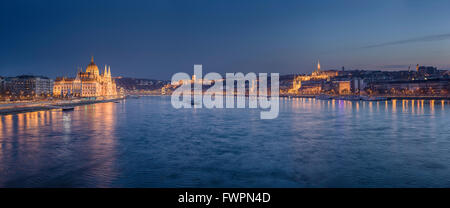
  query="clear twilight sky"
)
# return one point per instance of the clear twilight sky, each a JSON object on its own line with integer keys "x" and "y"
{"x": 155, "y": 39}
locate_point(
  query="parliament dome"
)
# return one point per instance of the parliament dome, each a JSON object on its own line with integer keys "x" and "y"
{"x": 92, "y": 68}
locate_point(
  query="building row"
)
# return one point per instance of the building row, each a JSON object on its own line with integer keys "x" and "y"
{"x": 425, "y": 80}
{"x": 88, "y": 83}
{"x": 26, "y": 86}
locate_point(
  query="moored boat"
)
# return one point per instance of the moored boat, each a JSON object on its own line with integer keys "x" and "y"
{"x": 67, "y": 108}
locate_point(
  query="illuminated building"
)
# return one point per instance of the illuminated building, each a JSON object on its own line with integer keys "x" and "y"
{"x": 342, "y": 87}
{"x": 86, "y": 84}
{"x": 311, "y": 83}
{"x": 317, "y": 71}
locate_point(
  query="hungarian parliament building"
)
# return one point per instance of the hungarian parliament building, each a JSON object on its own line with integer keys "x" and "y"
{"x": 86, "y": 84}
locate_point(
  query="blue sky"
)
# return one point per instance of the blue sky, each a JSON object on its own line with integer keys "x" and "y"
{"x": 155, "y": 39}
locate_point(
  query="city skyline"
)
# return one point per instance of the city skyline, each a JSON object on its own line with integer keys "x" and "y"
{"x": 159, "y": 38}
{"x": 225, "y": 94}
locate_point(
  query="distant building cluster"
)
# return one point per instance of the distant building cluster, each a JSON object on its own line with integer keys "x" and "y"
{"x": 425, "y": 80}
{"x": 139, "y": 85}
{"x": 320, "y": 82}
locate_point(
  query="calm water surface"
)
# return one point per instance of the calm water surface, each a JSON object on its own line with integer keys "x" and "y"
{"x": 146, "y": 143}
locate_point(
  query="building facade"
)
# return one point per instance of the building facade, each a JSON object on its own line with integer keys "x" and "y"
{"x": 2, "y": 85}
{"x": 27, "y": 86}
{"x": 86, "y": 84}
{"x": 416, "y": 87}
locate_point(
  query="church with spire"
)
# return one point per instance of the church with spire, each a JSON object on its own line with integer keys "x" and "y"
{"x": 89, "y": 83}
{"x": 317, "y": 76}
{"x": 317, "y": 71}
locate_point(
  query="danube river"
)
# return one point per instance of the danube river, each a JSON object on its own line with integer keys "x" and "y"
{"x": 147, "y": 143}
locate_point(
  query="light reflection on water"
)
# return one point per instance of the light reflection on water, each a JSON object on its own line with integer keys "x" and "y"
{"x": 146, "y": 143}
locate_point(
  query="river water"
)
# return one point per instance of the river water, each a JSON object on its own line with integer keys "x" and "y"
{"x": 147, "y": 143}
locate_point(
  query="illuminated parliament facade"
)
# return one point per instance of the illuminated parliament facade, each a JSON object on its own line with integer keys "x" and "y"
{"x": 86, "y": 84}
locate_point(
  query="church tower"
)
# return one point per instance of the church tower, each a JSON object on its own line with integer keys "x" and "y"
{"x": 318, "y": 66}
{"x": 317, "y": 71}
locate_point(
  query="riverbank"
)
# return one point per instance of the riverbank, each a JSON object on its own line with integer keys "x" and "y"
{"x": 7, "y": 109}
{"x": 368, "y": 98}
